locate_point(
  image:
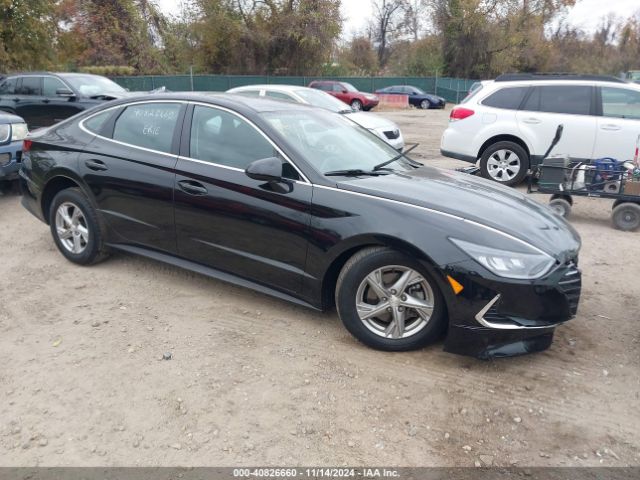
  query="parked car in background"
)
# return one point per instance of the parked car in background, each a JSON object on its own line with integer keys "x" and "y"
{"x": 417, "y": 97}
{"x": 13, "y": 131}
{"x": 45, "y": 98}
{"x": 508, "y": 124}
{"x": 303, "y": 204}
{"x": 386, "y": 129}
{"x": 347, "y": 93}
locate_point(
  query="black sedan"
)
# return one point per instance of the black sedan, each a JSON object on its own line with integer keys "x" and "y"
{"x": 305, "y": 205}
{"x": 417, "y": 97}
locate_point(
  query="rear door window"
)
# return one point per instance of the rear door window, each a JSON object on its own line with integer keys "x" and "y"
{"x": 568, "y": 99}
{"x": 31, "y": 86}
{"x": 509, "y": 98}
{"x": 149, "y": 125}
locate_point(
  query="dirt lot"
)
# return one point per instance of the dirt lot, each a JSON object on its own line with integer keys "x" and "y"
{"x": 256, "y": 381}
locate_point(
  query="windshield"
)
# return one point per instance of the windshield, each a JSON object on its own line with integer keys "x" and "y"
{"x": 320, "y": 99}
{"x": 331, "y": 142}
{"x": 91, "y": 85}
{"x": 349, "y": 87}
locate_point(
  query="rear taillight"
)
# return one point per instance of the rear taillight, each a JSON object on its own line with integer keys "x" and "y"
{"x": 26, "y": 145}
{"x": 460, "y": 113}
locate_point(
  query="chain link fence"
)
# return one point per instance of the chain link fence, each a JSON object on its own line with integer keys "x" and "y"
{"x": 452, "y": 89}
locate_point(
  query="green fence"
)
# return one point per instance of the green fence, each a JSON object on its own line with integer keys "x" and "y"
{"x": 452, "y": 89}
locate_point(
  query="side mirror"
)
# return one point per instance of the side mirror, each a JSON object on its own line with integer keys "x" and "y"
{"x": 265, "y": 170}
{"x": 344, "y": 90}
{"x": 65, "y": 92}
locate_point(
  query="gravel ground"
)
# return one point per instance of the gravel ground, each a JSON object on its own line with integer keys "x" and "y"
{"x": 256, "y": 381}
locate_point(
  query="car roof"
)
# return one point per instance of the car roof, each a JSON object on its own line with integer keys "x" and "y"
{"x": 229, "y": 100}
{"x": 551, "y": 81}
{"x": 271, "y": 86}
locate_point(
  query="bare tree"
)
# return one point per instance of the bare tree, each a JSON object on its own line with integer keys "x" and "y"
{"x": 386, "y": 21}
{"x": 414, "y": 14}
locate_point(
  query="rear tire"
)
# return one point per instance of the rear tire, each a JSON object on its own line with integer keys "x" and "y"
{"x": 381, "y": 310}
{"x": 626, "y": 216}
{"x": 505, "y": 162}
{"x": 75, "y": 228}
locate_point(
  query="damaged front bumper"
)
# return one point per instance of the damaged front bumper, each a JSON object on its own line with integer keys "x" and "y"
{"x": 500, "y": 318}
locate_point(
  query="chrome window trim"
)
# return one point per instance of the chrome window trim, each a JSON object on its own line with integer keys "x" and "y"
{"x": 126, "y": 105}
{"x": 303, "y": 177}
{"x": 438, "y": 212}
{"x": 304, "y": 180}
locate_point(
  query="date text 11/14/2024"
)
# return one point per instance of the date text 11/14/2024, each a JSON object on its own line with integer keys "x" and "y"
{"x": 315, "y": 473}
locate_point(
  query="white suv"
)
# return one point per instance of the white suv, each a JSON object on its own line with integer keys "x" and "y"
{"x": 509, "y": 123}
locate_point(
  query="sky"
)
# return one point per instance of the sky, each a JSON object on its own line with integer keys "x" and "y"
{"x": 586, "y": 14}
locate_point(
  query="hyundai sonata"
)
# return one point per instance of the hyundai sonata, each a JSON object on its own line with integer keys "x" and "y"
{"x": 305, "y": 205}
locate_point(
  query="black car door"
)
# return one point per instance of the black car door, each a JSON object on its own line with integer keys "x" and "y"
{"x": 57, "y": 106}
{"x": 226, "y": 220}
{"x": 129, "y": 167}
{"x": 28, "y": 104}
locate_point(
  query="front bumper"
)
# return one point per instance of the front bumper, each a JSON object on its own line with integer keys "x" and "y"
{"x": 500, "y": 318}
{"x": 10, "y": 158}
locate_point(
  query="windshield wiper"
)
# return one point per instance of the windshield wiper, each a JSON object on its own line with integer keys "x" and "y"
{"x": 398, "y": 157}
{"x": 356, "y": 172}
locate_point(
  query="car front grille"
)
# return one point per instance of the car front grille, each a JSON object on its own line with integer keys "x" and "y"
{"x": 570, "y": 286}
{"x": 392, "y": 134}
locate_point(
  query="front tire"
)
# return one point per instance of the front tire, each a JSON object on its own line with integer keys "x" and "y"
{"x": 75, "y": 228}
{"x": 356, "y": 105}
{"x": 425, "y": 105}
{"x": 505, "y": 162}
{"x": 389, "y": 302}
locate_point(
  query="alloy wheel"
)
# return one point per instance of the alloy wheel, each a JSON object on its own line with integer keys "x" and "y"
{"x": 424, "y": 104}
{"x": 71, "y": 228}
{"x": 395, "y": 302}
{"x": 503, "y": 165}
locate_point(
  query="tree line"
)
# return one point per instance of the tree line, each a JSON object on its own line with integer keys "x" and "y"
{"x": 461, "y": 38}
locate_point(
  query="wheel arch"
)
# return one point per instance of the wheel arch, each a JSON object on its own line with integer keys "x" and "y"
{"x": 55, "y": 184}
{"x": 330, "y": 277}
{"x": 504, "y": 138}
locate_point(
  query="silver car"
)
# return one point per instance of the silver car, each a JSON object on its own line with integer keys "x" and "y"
{"x": 382, "y": 127}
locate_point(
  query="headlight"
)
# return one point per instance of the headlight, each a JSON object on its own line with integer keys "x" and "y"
{"x": 371, "y": 97}
{"x": 19, "y": 131}
{"x": 5, "y": 132}
{"x": 518, "y": 265}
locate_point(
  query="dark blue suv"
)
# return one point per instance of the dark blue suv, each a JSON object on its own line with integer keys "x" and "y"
{"x": 13, "y": 130}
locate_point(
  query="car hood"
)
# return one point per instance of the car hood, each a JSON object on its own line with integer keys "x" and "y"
{"x": 476, "y": 200}
{"x": 371, "y": 120}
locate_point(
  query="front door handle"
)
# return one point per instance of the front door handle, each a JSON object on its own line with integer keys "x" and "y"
{"x": 16, "y": 100}
{"x": 96, "y": 165}
{"x": 46, "y": 100}
{"x": 610, "y": 126}
{"x": 192, "y": 188}
{"x": 532, "y": 121}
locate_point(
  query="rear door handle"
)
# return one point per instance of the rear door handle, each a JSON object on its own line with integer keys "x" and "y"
{"x": 96, "y": 165}
{"x": 192, "y": 188}
{"x": 610, "y": 126}
{"x": 532, "y": 121}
